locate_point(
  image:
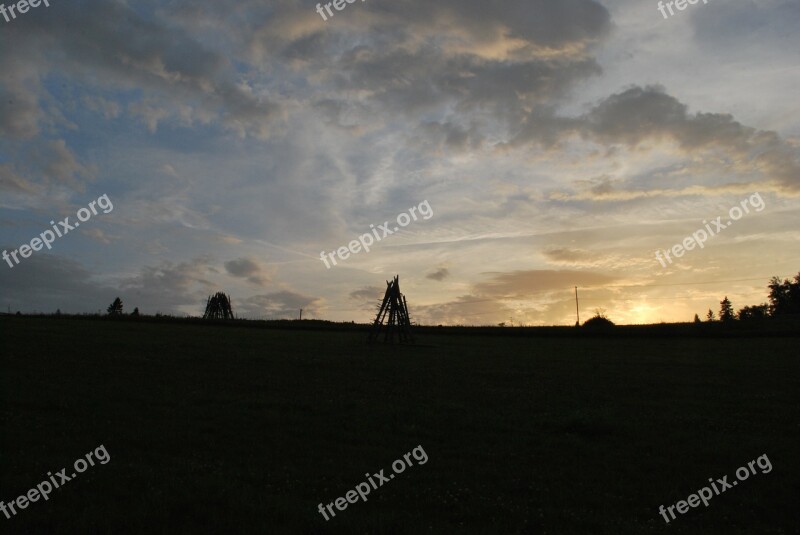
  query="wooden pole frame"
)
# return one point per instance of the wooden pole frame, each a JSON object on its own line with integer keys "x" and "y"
{"x": 398, "y": 323}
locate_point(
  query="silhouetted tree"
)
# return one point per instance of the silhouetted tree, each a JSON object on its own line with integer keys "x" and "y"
{"x": 794, "y": 293}
{"x": 726, "y": 310}
{"x": 778, "y": 296}
{"x": 784, "y": 297}
{"x": 751, "y": 313}
{"x": 710, "y": 315}
{"x": 135, "y": 312}
{"x": 115, "y": 308}
{"x": 696, "y": 318}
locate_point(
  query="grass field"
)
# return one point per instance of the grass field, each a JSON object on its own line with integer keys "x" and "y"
{"x": 225, "y": 429}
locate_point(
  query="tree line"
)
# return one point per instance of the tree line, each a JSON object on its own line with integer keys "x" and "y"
{"x": 784, "y": 301}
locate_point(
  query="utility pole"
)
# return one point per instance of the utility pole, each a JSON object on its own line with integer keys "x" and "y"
{"x": 301, "y": 314}
{"x": 577, "y": 313}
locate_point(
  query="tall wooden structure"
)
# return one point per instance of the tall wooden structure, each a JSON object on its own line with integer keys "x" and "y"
{"x": 392, "y": 321}
{"x": 218, "y": 307}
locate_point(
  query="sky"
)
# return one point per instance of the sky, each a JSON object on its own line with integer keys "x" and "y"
{"x": 549, "y": 143}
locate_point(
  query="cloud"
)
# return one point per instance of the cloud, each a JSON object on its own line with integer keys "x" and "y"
{"x": 529, "y": 297}
{"x": 168, "y": 287}
{"x": 19, "y": 110}
{"x": 61, "y": 165}
{"x": 127, "y": 49}
{"x": 438, "y": 275}
{"x": 99, "y": 236}
{"x": 259, "y": 132}
{"x": 368, "y": 293}
{"x": 464, "y": 56}
{"x": 49, "y": 166}
{"x": 569, "y": 256}
{"x": 108, "y": 108}
{"x": 427, "y": 79}
{"x": 465, "y": 310}
{"x": 12, "y": 182}
{"x": 440, "y": 136}
{"x": 524, "y": 283}
{"x": 740, "y": 24}
{"x": 44, "y": 282}
{"x": 645, "y": 114}
{"x": 149, "y": 113}
{"x": 248, "y": 268}
{"x": 641, "y": 117}
{"x": 285, "y": 304}
{"x": 368, "y": 298}
{"x": 593, "y": 259}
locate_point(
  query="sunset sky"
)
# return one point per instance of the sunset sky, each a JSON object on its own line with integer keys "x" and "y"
{"x": 558, "y": 143}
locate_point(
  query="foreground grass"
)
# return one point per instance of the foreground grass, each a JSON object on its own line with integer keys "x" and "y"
{"x": 215, "y": 429}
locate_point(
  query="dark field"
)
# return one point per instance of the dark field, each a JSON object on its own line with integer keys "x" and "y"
{"x": 226, "y": 429}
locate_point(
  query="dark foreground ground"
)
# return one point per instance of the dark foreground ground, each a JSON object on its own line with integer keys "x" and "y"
{"x": 218, "y": 429}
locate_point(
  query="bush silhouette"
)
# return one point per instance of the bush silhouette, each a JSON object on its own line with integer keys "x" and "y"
{"x": 598, "y": 322}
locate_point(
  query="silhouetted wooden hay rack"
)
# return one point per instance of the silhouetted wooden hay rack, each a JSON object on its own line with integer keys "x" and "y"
{"x": 392, "y": 321}
{"x": 218, "y": 307}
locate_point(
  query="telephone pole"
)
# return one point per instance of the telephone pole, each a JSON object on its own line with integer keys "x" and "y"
{"x": 577, "y": 313}
{"x": 301, "y": 314}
